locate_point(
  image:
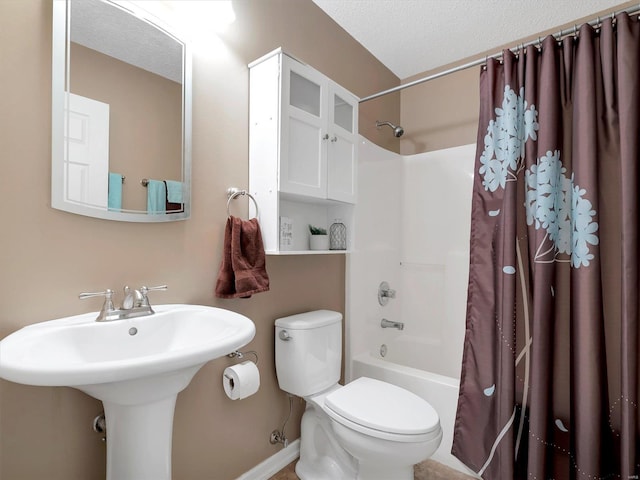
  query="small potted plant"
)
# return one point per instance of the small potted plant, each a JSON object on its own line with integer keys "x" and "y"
{"x": 318, "y": 240}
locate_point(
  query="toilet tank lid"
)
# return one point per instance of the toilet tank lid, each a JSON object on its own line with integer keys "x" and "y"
{"x": 309, "y": 320}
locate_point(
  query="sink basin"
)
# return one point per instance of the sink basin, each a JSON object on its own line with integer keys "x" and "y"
{"x": 135, "y": 366}
{"x": 77, "y": 350}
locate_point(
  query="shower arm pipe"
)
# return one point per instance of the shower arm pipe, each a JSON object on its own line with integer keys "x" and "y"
{"x": 480, "y": 61}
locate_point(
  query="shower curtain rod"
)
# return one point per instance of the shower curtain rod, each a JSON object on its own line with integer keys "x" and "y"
{"x": 480, "y": 61}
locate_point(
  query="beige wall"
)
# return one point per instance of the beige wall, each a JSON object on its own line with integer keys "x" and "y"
{"x": 48, "y": 256}
{"x": 441, "y": 113}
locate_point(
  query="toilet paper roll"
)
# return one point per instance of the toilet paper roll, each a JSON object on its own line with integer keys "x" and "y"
{"x": 241, "y": 381}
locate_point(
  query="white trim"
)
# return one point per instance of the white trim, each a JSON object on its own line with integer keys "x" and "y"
{"x": 274, "y": 463}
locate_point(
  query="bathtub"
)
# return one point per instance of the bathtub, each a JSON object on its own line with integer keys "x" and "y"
{"x": 440, "y": 391}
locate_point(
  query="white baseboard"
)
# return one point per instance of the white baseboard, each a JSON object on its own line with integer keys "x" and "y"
{"x": 274, "y": 463}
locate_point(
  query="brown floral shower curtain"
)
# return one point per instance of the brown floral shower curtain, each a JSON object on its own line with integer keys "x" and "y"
{"x": 549, "y": 384}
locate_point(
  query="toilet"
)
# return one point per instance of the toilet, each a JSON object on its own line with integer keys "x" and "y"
{"x": 365, "y": 430}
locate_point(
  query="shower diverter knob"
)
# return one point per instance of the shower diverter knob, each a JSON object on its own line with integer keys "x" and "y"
{"x": 385, "y": 293}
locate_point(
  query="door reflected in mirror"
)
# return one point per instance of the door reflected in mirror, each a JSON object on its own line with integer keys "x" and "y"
{"x": 121, "y": 126}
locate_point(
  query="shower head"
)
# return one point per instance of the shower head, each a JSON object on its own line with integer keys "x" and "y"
{"x": 398, "y": 131}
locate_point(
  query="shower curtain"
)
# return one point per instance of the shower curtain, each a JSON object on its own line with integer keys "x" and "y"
{"x": 549, "y": 382}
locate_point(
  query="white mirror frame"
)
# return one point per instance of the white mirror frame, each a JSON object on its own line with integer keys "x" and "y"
{"x": 59, "y": 71}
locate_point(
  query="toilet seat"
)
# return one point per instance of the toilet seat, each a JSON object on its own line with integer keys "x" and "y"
{"x": 383, "y": 410}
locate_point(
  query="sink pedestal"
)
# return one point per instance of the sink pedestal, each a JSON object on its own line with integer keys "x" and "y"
{"x": 139, "y": 440}
{"x": 139, "y": 416}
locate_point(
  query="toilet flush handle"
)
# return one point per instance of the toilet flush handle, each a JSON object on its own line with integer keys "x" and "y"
{"x": 284, "y": 335}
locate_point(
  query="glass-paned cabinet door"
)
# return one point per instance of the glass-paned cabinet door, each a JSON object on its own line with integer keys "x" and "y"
{"x": 343, "y": 113}
{"x": 304, "y": 94}
{"x": 304, "y": 139}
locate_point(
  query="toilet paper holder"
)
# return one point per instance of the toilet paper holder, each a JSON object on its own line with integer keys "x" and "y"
{"x": 243, "y": 379}
{"x": 239, "y": 354}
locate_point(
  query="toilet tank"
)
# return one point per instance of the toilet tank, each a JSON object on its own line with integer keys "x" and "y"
{"x": 308, "y": 351}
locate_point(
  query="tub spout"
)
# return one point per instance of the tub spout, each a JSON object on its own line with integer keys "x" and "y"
{"x": 389, "y": 324}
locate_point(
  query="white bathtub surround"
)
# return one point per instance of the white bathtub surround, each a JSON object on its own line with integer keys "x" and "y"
{"x": 377, "y": 254}
{"x": 417, "y": 209}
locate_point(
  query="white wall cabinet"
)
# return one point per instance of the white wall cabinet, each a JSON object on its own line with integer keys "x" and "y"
{"x": 302, "y": 150}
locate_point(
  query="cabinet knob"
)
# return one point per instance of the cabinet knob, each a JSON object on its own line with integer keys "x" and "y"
{"x": 334, "y": 139}
{"x": 325, "y": 136}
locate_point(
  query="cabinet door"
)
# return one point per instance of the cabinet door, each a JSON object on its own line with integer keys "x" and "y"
{"x": 342, "y": 155}
{"x": 303, "y": 148}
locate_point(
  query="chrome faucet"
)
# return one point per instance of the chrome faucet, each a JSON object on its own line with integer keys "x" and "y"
{"x": 135, "y": 303}
{"x": 132, "y": 298}
{"x": 389, "y": 324}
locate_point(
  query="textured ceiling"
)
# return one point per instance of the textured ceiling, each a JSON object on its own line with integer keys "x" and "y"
{"x": 414, "y": 36}
{"x": 112, "y": 31}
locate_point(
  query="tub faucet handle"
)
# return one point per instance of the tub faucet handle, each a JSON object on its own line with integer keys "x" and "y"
{"x": 385, "y": 293}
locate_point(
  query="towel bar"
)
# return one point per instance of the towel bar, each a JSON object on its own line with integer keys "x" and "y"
{"x": 236, "y": 192}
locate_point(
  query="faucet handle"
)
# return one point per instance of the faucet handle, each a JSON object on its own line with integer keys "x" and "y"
{"x": 144, "y": 290}
{"x": 385, "y": 293}
{"x": 107, "y": 307}
{"x": 108, "y": 294}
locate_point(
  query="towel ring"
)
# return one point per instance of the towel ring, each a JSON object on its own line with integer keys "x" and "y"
{"x": 232, "y": 193}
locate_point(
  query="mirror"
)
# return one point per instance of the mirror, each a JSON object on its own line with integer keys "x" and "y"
{"x": 121, "y": 114}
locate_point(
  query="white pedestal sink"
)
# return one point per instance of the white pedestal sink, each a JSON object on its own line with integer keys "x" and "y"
{"x": 135, "y": 366}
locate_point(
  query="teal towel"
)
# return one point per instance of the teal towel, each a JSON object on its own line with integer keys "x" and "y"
{"x": 114, "y": 201}
{"x": 174, "y": 191}
{"x": 156, "y": 197}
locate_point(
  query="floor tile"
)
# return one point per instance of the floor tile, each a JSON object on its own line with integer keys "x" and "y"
{"x": 427, "y": 470}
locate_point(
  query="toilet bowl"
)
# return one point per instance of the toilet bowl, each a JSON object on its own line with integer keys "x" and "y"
{"x": 386, "y": 428}
{"x": 365, "y": 430}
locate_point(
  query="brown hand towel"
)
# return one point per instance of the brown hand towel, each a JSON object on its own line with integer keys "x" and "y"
{"x": 242, "y": 271}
